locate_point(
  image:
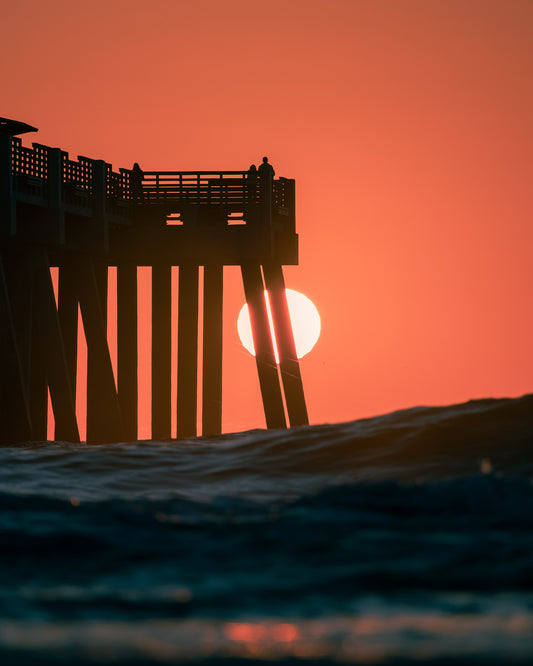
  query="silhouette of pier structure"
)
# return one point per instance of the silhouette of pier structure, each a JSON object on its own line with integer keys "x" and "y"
{"x": 81, "y": 217}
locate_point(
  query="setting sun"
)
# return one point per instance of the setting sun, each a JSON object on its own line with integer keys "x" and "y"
{"x": 304, "y": 318}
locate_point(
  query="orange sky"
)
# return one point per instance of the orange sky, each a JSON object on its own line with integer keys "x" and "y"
{"x": 407, "y": 126}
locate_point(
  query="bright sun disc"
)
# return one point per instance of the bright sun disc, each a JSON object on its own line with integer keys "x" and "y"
{"x": 304, "y": 318}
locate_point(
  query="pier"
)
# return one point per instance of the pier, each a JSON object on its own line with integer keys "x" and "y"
{"x": 79, "y": 216}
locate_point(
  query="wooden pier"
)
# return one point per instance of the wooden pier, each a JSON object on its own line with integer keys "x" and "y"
{"x": 81, "y": 217}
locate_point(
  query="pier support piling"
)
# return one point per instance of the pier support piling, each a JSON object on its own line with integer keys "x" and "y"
{"x": 265, "y": 359}
{"x": 187, "y": 351}
{"x": 38, "y": 390}
{"x": 288, "y": 359}
{"x": 52, "y": 353}
{"x": 212, "y": 351}
{"x": 127, "y": 364}
{"x": 67, "y": 305}
{"x": 104, "y": 419}
{"x": 14, "y": 407}
{"x": 161, "y": 351}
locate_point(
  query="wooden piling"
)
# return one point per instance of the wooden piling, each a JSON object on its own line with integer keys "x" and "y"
{"x": 288, "y": 359}
{"x": 161, "y": 351}
{"x": 94, "y": 285}
{"x": 67, "y": 306}
{"x": 104, "y": 419}
{"x": 212, "y": 351}
{"x": 18, "y": 273}
{"x": 56, "y": 213}
{"x": 187, "y": 351}
{"x": 14, "y": 407}
{"x": 38, "y": 389}
{"x": 127, "y": 336}
{"x": 51, "y": 350}
{"x": 267, "y": 369}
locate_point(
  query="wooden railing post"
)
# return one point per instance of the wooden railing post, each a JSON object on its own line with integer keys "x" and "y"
{"x": 99, "y": 202}
{"x": 267, "y": 232}
{"x": 8, "y": 218}
{"x": 56, "y": 213}
{"x": 290, "y": 202}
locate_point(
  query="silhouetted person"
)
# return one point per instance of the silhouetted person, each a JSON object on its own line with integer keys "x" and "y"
{"x": 136, "y": 182}
{"x": 266, "y": 169}
{"x": 251, "y": 182}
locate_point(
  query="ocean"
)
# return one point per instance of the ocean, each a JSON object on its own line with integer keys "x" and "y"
{"x": 401, "y": 539}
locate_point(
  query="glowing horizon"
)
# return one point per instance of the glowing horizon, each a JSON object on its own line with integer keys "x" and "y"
{"x": 413, "y": 187}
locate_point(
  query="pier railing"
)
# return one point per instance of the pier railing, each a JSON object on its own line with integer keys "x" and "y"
{"x": 200, "y": 187}
{"x": 31, "y": 169}
{"x": 213, "y": 187}
{"x": 31, "y": 174}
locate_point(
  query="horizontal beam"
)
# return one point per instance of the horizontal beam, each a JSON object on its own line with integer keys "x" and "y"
{"x": 230, "y": 246}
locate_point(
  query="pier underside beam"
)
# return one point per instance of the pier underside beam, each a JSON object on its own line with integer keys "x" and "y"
{"x": 187, "y": 351}
{"x": 267, "y": 369}
{"x": 212, "y": 351}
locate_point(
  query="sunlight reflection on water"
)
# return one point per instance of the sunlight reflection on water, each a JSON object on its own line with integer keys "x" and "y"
{"x": 370, "y": 638}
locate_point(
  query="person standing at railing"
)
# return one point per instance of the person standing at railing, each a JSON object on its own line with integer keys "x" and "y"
{"x": 251, "y": 183}
{"x": 136, "y": 182}
{"x": 266, "y": 176}
{"x": 266, "y": 169}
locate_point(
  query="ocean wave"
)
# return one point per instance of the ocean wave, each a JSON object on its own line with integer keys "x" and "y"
{"x": 406, "y": 538}
{"x": 318, "y": 551}
{"x": 422, "y": 444}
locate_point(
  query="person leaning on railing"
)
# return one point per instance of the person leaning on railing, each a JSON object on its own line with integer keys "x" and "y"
{"x": 251, "y": 183}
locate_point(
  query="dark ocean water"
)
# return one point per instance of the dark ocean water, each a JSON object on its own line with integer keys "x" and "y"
{"x": 402, "y": 539}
